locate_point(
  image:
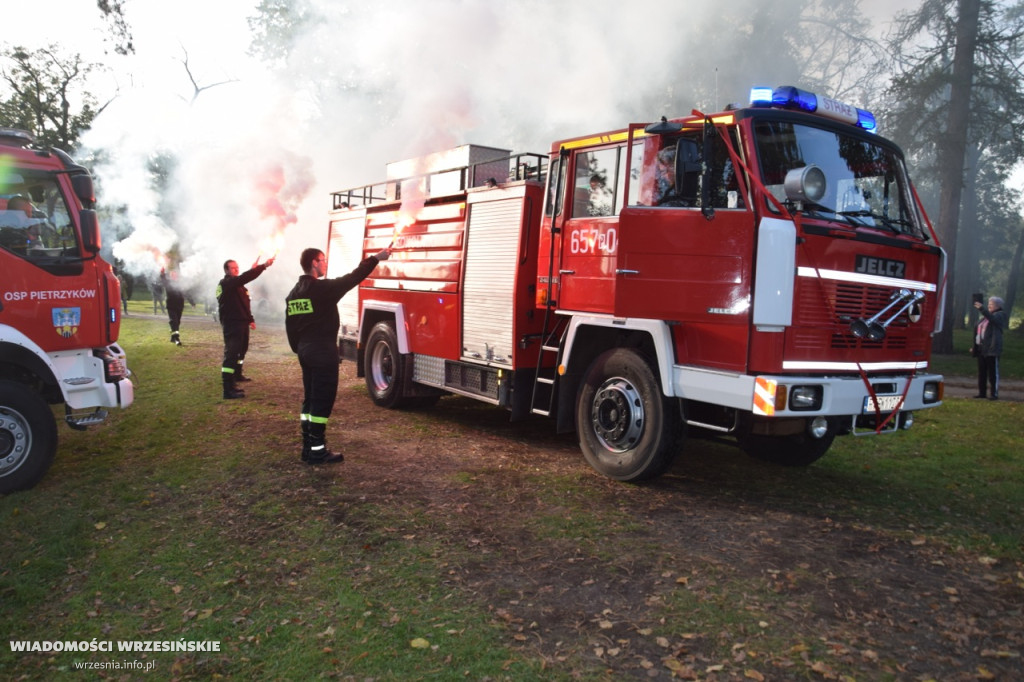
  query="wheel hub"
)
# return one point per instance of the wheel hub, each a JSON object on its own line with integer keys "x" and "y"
{"x": 382, "y": 367}
{"x": 617, "y": 413}
{"x": 15, "y": 440}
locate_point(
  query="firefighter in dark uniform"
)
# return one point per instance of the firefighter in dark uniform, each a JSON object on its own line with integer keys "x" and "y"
{"x": 236, "y": 319}
{"x": 312, "y": 322}
{"x": 175, "y": 303}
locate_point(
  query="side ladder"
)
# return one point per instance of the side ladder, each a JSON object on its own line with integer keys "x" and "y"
{"x": 545, "y": 382}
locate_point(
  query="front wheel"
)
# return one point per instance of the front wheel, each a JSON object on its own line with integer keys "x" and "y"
{"x": 628, "y": 429}
{"x": 795, "y": 450}
{"x": 384, "y": 366}
{"x": 28, "y": 437}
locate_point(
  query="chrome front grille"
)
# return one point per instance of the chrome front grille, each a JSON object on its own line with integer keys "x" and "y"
{"x": 824, "y": 310}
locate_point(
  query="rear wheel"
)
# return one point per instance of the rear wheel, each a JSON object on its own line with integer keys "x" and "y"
{"x": 28, "y": 437}
{"x": 384, "y": 366}
{"x": 628, "y": 430}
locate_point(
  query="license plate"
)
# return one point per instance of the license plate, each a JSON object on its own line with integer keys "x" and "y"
{"x": 886, "y": 403}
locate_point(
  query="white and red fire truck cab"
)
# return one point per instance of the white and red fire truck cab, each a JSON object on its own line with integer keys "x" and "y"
{"x": 59, "y": 309}
{"x": 766, "y": 272}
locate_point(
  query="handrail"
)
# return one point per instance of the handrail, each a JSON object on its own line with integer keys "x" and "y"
{"x": 525, "y": 166}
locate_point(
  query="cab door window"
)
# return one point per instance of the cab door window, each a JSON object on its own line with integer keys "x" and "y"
{"x": 35, "y": 223}
{"x": 596, "y": 181}
{"x": 674, "y": 174}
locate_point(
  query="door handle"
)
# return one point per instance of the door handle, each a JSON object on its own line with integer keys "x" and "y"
{"x": 622, "y": 271}
{"x": 566, "y": 272}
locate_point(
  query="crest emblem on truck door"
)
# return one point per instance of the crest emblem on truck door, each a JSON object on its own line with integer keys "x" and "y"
{"x": 66, "y": 321}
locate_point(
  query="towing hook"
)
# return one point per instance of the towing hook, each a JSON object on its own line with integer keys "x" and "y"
{"x": 871, "y": 328}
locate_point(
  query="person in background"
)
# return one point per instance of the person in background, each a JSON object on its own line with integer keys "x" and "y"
{"x": 235, "y": 313}
{"x": 158, "y": 296}
{"x": 122, "y": 282}
{"x": 312, "y": 322}
{"x": 175, "y": 303}
{"x": 988, "y": 345}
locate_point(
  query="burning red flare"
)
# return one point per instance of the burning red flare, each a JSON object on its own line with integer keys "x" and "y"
{"x": 277, "y": 198}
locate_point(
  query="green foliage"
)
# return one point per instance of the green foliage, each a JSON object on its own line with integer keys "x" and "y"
{"x": 915, "y": 114}
{"x": 50, "y": 96}
{"x": 121, "y": 35}
{"x": 276, "y": 25}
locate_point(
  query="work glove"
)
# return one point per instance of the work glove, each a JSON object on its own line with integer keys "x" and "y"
{"x": 383, "y": 255}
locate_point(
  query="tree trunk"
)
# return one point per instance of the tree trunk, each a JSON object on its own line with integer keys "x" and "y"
{"x": 952, "y": 153}
{"x": 968, "y": 270}
{"x": 1013, "y": 282}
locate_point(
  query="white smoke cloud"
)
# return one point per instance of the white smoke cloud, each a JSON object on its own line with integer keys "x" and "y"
{"x": 371, "y": 83}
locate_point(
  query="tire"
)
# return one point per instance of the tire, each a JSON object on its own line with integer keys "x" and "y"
{"x": 798, "y": 450}
{"x": 627, "y": 429}
{"x": 28, "y": 437}
{"x": 385, "y": 367}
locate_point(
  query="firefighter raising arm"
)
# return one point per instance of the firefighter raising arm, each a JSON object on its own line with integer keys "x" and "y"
{"x": 236, "y": 318}
{"x": 312, "y": 322}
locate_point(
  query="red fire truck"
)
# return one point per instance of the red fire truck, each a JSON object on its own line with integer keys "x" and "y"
{"x": 765, "y": 272}
{"x": 59, "y": 309}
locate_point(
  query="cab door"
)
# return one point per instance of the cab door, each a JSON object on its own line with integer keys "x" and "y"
{"x": 594, "y": 198}
{"x": 689, "y": 267}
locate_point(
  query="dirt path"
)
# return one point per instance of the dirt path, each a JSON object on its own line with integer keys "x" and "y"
{"x": 824, "y": 593}
{"x": 967, "y": 387}
{"x": 825, "y": 596}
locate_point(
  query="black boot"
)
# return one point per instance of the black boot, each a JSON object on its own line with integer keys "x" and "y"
{"x": 230, "y": 392}
{"x": 238, "y": 374}
{"x": 176, "y": 338}
{"x": 319, "y": 453}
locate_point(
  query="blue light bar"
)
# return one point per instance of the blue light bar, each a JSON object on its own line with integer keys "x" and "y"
{"x": 866, "y": 120}
{"x": 789, "y": 97}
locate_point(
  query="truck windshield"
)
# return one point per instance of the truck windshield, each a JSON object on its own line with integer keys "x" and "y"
{"x": 34, "y": 219}
{"x": 867, "y": 185}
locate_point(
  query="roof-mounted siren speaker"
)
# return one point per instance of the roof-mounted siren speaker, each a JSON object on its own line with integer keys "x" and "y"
{"x": 806, "y": 184}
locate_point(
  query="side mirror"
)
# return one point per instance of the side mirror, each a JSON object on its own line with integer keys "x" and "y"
{"x": 90, "y": 230}
{"x": 82, "y": 184}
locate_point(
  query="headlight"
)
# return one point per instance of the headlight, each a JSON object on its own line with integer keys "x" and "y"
{"x": 932, "y": 392}
{"x": 805, "y": 398}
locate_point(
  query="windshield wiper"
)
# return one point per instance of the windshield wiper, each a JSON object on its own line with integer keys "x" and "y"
{"x": 848, "y": 217}
{"x": 889, "y": 223}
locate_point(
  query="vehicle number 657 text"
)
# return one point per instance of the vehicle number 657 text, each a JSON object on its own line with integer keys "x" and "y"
{"x": 593, "y": 241}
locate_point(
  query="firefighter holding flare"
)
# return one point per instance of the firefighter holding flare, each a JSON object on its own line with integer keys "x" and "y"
{"x": 236, "y": 318}
{"x": 312, "y": 323}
